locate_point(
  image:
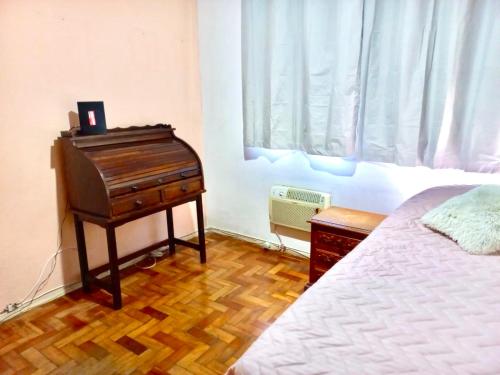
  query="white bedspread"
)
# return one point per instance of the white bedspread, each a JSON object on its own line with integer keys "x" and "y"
{"x": 406, "y": 300}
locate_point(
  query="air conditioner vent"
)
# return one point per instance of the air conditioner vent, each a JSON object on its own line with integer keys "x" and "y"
{"x": 292, "y": 207}
{"x": 304, "y": 196}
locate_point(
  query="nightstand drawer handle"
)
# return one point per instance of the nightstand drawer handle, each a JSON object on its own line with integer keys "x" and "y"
{"x": 184, "y": 188}
{"x": 327, "y": 239}
{"x": 327, "y": 258}
{"x": 138, "y": 203}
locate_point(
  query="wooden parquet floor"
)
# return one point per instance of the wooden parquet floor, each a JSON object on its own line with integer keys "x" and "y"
{"x": 180, "y": 317}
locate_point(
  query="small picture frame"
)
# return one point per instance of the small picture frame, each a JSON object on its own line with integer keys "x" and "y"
{"x": 92, "y": 118}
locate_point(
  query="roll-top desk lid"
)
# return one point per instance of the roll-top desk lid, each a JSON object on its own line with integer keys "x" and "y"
{"x": 103, "y": 171}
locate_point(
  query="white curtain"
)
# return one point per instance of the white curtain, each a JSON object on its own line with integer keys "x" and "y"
{"x": 413, "y": 82}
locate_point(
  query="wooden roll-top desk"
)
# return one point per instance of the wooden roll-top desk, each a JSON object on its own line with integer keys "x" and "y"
{"x": 124, "y": 175}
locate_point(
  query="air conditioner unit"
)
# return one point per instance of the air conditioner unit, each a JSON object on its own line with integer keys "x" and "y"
{"x": 291, "y": 207}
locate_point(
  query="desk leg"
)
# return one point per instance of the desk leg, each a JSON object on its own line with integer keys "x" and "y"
{"x": 170, "y": 230}
{"x": 82, "y": 253}
{"x": 201, "y": 229}
{"x": 113, "y": 268}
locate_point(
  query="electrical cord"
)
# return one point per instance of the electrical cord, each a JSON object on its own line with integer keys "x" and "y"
{"x": 281, "y": 247}
{"x": 296, "y": 253}
{"x": 42, "y": 272}
{"x": 40, "y": 284}
{"x": 147, "y": 267}
{"x": 18, "y": 311}
{"x": 54, "y": 257}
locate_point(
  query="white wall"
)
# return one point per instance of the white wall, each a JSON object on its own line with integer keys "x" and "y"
{"x": 237, "y": 190}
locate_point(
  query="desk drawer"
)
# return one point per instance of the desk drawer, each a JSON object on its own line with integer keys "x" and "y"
{"x": 137, "y": 185}
{"x": 135, "y": 202}
{"x": 178, "y": 190}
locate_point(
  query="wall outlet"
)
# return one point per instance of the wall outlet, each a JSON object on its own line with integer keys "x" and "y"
{"x": 10, "y": 307}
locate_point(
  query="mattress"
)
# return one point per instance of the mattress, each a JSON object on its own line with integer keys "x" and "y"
{"x": 405, "y": 301}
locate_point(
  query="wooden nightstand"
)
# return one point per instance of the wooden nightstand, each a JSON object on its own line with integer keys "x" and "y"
{"x": 334, "y": 232}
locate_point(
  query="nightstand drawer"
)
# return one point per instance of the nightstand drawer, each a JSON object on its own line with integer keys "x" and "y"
{"x": 315, "y": 273}
{"x": 326, "y": 259}
{"x": 334, "y": 242}
{"x": 334, "y": 233}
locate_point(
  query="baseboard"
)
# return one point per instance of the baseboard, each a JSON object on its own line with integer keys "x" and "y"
{"x": 65, "y": 289}
{"x": 40, "y": 300}
{"x": 261, "y": 242}
{"x": 68, "y": 288}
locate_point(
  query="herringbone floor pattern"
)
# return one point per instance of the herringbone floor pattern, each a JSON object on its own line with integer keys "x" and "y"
{"x": 180, "y": 317}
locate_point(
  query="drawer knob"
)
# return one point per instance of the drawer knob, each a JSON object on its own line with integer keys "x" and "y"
{"x": 326, "y": 258}
{"x": 184, "y": 188}
{"x": 135, "y": 188}
{"x": 326, "y": 239}
{"x": 160, "y": 180}
{"x": 138, "y": 203}
{"x": 183, "y": 174}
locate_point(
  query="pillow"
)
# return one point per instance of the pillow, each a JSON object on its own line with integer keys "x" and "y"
{"x": 471, "y": 219}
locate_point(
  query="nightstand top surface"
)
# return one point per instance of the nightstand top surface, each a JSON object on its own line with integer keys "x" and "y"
{"x": 346, "y": 218}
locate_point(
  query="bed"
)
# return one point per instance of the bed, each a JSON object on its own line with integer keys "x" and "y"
{"x": 407, "y": 300}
